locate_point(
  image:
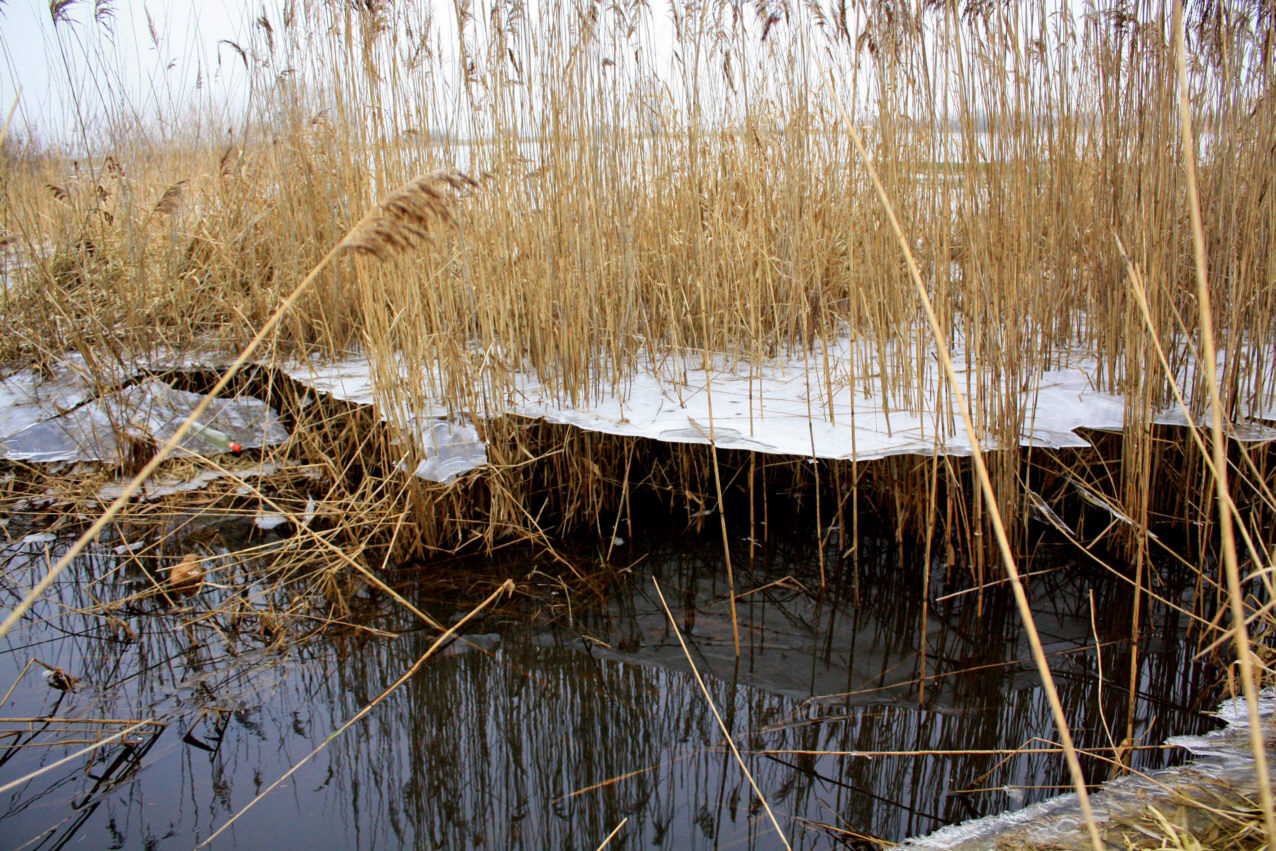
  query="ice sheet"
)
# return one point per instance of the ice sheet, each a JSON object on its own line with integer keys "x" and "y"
{"x": 65, "y": 420}
{"x": 783, "y": 406}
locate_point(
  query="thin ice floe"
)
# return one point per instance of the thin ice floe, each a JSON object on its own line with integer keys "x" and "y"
{"x": 66, "y": 419}
{"x": 826, "y": 403}
{"x": 1221, "y": 759}
{"x": 783, "y": 406}
{"x": 452, "y": 449}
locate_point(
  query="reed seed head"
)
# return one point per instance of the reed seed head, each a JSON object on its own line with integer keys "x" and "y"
{"x": 407, "y": 217}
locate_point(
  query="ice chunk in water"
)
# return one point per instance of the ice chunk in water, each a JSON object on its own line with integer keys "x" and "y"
{"x": 451, "y": 450}
{"x": 152, "y": 410}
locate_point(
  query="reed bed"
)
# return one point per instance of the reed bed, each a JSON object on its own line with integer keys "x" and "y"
{"x": 620, "y": 218}
{"x": 616, "y": 190}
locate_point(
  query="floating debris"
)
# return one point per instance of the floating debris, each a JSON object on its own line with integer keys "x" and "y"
{"x": 187, "y": 577}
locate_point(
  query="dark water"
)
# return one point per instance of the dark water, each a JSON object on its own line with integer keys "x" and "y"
{"x": 571, "y": 708}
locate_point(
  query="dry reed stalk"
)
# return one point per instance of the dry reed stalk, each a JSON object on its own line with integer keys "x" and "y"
{"x": 717, "y": 483}
{"x": 1139, "y": 292}
{"x": 607, "y": 841}
{"x": 1003, "y": 542}
{"x": 1236, "y": 600}
{"x": 677, "y": 631}
{"x": 506, "y": 587}
{"x": 13, "y": 784}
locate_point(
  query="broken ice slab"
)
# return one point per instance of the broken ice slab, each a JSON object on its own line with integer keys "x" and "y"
{"x": 451, "y": 448}
{"x": 94, "y": 430}
{"x": 27, "y": 397}
{"x": 1242, "y": 431}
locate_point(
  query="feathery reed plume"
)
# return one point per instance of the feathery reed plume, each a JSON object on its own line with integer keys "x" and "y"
{"x": 59, "y": 10}
{"x": 229, "y": 162}
{"x": 58, "y": 192}
{"x": 243, "y": 57}
{"x": 103, "y": 13}
{"x": 170, "y": 200}
{"x": 405, "y": 218}
{"x": 113, "y": 168}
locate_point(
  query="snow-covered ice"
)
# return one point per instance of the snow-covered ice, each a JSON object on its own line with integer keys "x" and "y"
{"x": 781, "y": 407}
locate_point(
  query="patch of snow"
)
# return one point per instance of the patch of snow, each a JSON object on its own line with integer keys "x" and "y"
{"x": 269, "y": 521}
{"x": 781, "y": 407}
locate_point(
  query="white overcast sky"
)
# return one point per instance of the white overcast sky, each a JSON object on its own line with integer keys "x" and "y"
{"x": 85, "y": 69}
{"x": 42, "y": 71}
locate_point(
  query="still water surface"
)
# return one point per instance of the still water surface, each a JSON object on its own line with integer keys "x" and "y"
{"x": 572, "y": 708}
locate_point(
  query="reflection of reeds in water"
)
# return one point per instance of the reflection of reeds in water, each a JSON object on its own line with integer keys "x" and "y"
{"x": 478, "y": 744}
{"x": 510, "y": 741}
{"x": 542, "y": 721}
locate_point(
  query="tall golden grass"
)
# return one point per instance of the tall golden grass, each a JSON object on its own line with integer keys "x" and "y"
{"x": 628, "y": 211}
